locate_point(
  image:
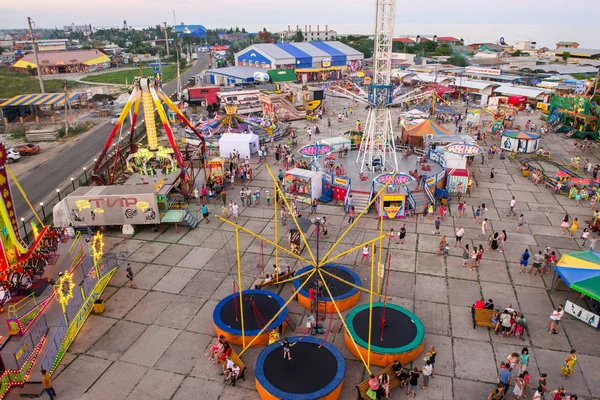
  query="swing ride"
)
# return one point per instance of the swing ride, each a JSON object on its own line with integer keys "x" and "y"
{"x": 317, "y": 368}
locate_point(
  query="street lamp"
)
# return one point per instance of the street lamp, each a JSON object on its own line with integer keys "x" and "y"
{"x": 85, "y": 174}
{"x": 43, "y": 211}
{"x": 58, "y": 194}
{"x": 24, "y": 229}
{"x": 73, "y": 182}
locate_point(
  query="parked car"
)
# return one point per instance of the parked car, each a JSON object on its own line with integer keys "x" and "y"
{"x": 27, "y": 149}
{"x": 115, "y": 118}
{"x": 12, "y": 155}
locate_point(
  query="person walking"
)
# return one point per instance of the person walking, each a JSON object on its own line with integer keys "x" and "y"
{"x": 569, "y": 366}
{"x": 47, "y": 384}
{"x": 461, "y": 209}
{"x": 521, "y": 223}
{"x": 365, "y": 254}
{"x": 351, "y": 214}
{"x": 438, "y": 223}
{"x": 205, "y": 213}
{"x": 504, "y": 378}
{"x": 465, "y": 255}
{"x": 129, "y": 275}
{"x": 511, "y": 207}
{"x": 458, "y": 235}
{"x": 524, "y": 360}
{"x": 524, "y": 261}
{"x": 427, "y": 371}
{"x": 197, "y": 196}
{"x": 564, "y": 225}
{"x": 584, "y": 236}
{"x": 483, "y": 227}
{"x": 492, "y": 175}
{"x": 402, "y": 234}
{"x": 574, "y": 227}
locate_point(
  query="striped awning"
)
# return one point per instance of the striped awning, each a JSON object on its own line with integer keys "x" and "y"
{"x": 45, "y": 99}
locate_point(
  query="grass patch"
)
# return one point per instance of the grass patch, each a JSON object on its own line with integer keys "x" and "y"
{"x": 19, "y": 133}
{"x": 16, "y": 83}
{"x": 169, "y": 73}
{"x": 76, "y": 129}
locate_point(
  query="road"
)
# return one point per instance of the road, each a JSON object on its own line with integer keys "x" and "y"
{"x": 56, "y": 172}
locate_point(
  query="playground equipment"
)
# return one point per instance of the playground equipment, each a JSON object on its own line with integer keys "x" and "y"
{"x": 337, "y": 288}
{"x": 576, "y": 116}
{"x": 259, "y": 306}
{"x": 282, "y": 104}
{"x": 397, "y": 334}
{"x": 520, "y": 141}
{"x": 392, "y": 202}
{"x": 316, "y": 371}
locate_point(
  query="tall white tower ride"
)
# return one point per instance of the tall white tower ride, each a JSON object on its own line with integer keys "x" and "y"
{"x": 377, "y": 147}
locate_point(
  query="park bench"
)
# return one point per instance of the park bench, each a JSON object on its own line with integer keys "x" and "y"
{"x": 233, "y": 356}
{"x": 281, "y": 277}
{"x": 363, "y": 387}
{"x": 482, "y": 317}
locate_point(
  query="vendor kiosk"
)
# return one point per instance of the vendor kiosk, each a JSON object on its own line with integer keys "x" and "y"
{"x": 392, "y": 203}
{"x": 216, "y": 170}
{"x": 303, "y": 184}
{"x": 457, "y": 180}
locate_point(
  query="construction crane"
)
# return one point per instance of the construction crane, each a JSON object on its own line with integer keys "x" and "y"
{"x": 377, "y": 150}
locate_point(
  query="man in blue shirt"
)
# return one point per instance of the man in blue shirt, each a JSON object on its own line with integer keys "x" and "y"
{"x": 505, "y": 375}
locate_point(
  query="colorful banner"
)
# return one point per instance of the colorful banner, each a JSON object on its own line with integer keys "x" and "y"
{"x": 463, "y": 149}
{"x": 315, "y": 150}
{"x": 399, "y": 179}
{"x": 582, "y": 314}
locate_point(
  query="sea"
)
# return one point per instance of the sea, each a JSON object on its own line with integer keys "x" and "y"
{"x": 544, "y": 35}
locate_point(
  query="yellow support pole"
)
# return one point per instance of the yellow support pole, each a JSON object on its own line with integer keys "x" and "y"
{"x": 276, "y": 232}
{"x": 292, "y": 297}
{"x": 350, "y": 284}
{"x": 352, "y": 249}
{"x": 16, "y": 182}
{"x": 292, "y": 278}
{"x": 256, "y": 235}
{"x": 240, "y": 283}
{"x": 371, "y": 304}
{"x": 344, "y": 322}
{"x": 314, "y": 260}
{"x": 357, "y": 218}
{"x": 380, "y": 253}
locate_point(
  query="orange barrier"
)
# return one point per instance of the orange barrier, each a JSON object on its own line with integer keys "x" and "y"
{"x": 384, "y": 360}
{"x": 327, "y": 306}
{"x": 262, "y": 392}
{"x": 262, "y": 340}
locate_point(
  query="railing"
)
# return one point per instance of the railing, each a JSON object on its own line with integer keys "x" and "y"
{"x": 411, "y": 201}
{"x": 14, "y": 308}
{"x": 53, "y": 345}
{"x": 29, "y": 342}
{"x": 430, "y": 195}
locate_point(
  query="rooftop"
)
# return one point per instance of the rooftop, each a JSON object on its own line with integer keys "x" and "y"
{"x": 69, "y": 57}
{"x": 578, "y": 52}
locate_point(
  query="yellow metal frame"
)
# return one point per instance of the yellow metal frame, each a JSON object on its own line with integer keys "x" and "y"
{"x": 14, "y": 308}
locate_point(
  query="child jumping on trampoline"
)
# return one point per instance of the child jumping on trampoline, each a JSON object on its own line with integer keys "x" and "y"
{"x": 287, "y": 347}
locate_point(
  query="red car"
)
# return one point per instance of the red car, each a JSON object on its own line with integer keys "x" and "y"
{"x": 27, "y": 149}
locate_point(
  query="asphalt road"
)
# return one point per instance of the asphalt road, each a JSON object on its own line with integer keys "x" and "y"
{"x": 55, "y": 173}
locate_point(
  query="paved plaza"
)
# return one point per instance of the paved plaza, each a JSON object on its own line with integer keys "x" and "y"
{"x": 150, "y": 341}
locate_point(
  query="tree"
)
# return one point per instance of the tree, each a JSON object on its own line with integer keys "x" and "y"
{"x": 458, "y": 60}
{"x": 298, "y": 37}
{"x": 86, "y": 47}
{"x": 2, "y": 49}
{"x": 516, "y": 53}
{"x": 565, "y": 55}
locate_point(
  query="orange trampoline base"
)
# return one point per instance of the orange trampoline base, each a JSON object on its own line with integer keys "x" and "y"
{"x": 262, "y": 340}
{"x": 334, "y": 395}
{"x": 384, "y": 360}
{"x": 327, "y": 306}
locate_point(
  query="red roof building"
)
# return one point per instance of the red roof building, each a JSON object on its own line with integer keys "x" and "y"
{"x": 447, "y": 39}
{"x": 405, "y": 40}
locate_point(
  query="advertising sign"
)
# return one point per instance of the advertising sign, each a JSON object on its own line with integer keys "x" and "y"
{"x": 399, "y": 179}
{"x": 463, "y": 149}
{"x": 99, "y": 209}
{"x": 315, "y": 150}
{"x": 582, "y": 314}
{"x": 477, "y": 70}
{"x": 326, "y": 63}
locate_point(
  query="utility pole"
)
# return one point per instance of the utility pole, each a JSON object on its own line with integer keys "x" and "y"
{"x": 35, "y": 53}
{"x": 66, "y": 115}
{"x": 166, "y": 38}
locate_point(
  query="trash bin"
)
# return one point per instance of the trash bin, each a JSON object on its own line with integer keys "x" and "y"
{"x": 98, "y": 306}
{"x": 525, "y": 172}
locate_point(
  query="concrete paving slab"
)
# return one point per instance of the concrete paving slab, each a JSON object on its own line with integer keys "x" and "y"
{"x": 151, "y": 345}
{"x": 462, "y": 325}
{"x": 173, "y": 254}
{"x": 435, "y": 317}
{"x": 203, "y": 321}
{"x": 126, "y": 248}
{"x": 403, "y": 260}
{"x": 117, "y": 340}
{"x": 117, "y": 382}
{"x": 173, "y": 234}
{"x": 591, "y": 373}
{"x": 431, "y": 288}
{"x": 184, "y": 353}
{"x": 465, "y": 351}
{"x": 430, "y": 264}
{"x": 195, "y": 237}
{"x": 534, "y": 300}
{"x": 541, "y": 339}
{"x": 444, "y": 361}
{"x": 464, "y": 388}
{"x": 550, "y": 362}
{"x": 503, "y": 295}
{"x": 204, "y": 284}
{"x": 146, "y": 233}
{"x": 493, "y": 271}
{"x": 401, "y": 284}
{"x": 156, "y": 385}
{"x": 180, "y": 312}
{"x": 148, "y": 252}
{"x": 175, "y": 280}
{"x": 150, "y": 307}
{"x": 94, "y": 328}
{"x": 121, "y": 302}
{"x": 79, "y": 376}
{"x": 197, "y": 258}
{"x": 462, "y": 292}
{"x": 149, "y": 275}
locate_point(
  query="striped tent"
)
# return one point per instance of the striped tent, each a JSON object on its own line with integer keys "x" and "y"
{"x": 580, "y": 270}
{"x": 45, "y": 99}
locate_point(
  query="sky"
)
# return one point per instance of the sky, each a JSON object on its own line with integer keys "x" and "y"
{"x": 518, "y": 19}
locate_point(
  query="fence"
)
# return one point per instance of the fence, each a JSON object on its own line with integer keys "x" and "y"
{"x": 30, "y": 341}
{"x": 89, "y": 282}
{"x": 44, "y": 209}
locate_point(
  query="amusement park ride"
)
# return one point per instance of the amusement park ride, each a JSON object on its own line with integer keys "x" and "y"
{"x": 34, "y": 271}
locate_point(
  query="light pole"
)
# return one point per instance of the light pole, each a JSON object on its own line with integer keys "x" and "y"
{"x": 24, "y": 229}
{"x": 43, "y": 211}
{"x": 35, "y": 54}
{"x": 73, "y": 183}
{"x": 58, "y": 194}
{"x": 85, "y": 174}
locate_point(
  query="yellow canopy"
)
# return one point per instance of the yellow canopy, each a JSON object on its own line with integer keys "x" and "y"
{"x": 97, "y": 60}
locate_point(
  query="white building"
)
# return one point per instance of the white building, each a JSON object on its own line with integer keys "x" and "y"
{"x": 525, "y": 46}
{"x": 309, "y": 35}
